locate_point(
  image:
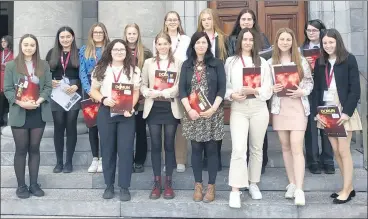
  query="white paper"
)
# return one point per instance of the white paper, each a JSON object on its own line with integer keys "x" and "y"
{"x": 63, "y": 99}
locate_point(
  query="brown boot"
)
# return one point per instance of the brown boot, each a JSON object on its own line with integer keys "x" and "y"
{"x": 198, "y": 192}
{"x": 210, "y": 194}
{"x": 168, "y": 192}
{"x": 156, "y": 190}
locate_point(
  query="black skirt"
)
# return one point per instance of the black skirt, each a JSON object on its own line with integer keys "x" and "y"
{"x": 33, "y": 120}
{"x": 56, "y": 107}
{"x": 161, "y": 114}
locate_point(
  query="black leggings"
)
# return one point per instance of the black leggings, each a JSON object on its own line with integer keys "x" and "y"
{"x": 65, "y": 120}
{"x": 197, "y": 163}
{"x": 156, "y": 145}
{"x": 94, "y": 141}
{"x": 27, "y": 141}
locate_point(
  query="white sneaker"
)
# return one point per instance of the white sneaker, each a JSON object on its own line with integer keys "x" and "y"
{"x": 99, "y": 167}
{"x": 290, "y": 191}
{"x": 234, "y": 200}
{"x": 180, "y": 168}
{"x": 299, "y": 197}
{"x": 255, "y": 192}
{"x": 94, "y": 165}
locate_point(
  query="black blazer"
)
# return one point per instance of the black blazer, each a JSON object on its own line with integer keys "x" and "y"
{"x": 216, "y": 79}
{"x": 347, "y": 83}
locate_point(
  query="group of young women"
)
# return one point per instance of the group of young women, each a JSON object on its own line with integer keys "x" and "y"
{"x": 209, "y": 61}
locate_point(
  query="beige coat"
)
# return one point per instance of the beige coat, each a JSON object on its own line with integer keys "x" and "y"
{"x": 148, "y": 77}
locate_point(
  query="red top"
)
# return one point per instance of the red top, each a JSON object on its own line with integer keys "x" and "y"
{"x": 5, "y": 56}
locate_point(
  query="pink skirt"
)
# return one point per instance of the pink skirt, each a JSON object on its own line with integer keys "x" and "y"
{"x": 291, "y": 117}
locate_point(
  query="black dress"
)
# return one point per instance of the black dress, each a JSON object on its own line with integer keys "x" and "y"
{"x": 161, "y": 113}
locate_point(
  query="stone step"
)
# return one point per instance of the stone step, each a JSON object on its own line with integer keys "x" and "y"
{"x": 274, "y": 179}
{"x": 89, "y": 202}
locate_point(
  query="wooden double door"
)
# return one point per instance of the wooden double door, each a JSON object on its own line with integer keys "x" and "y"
{"x": 271, "y": 15}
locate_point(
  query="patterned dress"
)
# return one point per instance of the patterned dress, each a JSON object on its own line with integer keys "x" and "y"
{"x": 203, "y": 129}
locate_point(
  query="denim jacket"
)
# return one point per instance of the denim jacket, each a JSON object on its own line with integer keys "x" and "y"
{"x": 86, "y": 66}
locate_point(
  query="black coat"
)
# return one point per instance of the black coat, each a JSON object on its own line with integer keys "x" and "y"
{"x": 347, "y": 83}
{"x": 216, "y": 79}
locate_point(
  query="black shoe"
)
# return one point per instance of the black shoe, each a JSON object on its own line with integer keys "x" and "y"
{"x": 315, "y": 169}
{"x": 22, "y": 192}
{"x": 338, "y": 201}
{"x": 138, "y": 168}
{"x": 124, "y": 195}
{"x": 68, "y": 167}
{"x": 109, "y": 192}
{"x": 36, "y": 190}
{"x": 329, "y": 169}
{"x": 263, "y": 170}
{"x": 58, "y": 168}
{"x": 335, "y": 195}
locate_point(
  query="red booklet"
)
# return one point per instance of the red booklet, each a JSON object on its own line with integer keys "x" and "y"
{"x": 198, "y": 101}
{"x": 27, "y": 90}
{"x": 164, "y": 80}
{"x": 313, "y": 53}
{"x": 330, "y": 115}
{"x": 90, "y": 110}
{"x": 288, "y": 76}
{"x": 252, "y": 78}
{"x": 122, "y": 94}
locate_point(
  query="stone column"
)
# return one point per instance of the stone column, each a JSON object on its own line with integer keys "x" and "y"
{"x": 117, "y": 14}
{"x": 43, "y": 19}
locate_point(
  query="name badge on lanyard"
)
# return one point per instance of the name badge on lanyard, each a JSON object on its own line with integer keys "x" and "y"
{"x": 65, "y": 65}
{"x": 329, "y": 95}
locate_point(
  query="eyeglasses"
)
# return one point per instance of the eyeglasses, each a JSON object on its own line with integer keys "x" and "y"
{"x": 312, "y": 31}
{"x": 119, "y": 50}
{"x": 98, "y": 33}
{"x": 172, "y": 20}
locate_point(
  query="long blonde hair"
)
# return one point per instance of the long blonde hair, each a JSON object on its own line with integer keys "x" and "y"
{"x": 138, "y": 44}
{"x": 216, "y": 27}
{"x": 180, "y": 28}
{"x": 91, "y": 46}
{"x": 295, "y": 54}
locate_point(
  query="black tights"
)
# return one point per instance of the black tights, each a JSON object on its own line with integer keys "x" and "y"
{"x": 93, "y": 140}
{"x": 156, "y": 145}
{"x": 27, "y": 141}
{"x": 197, "y": 163}
{"x": 64, "y": 120}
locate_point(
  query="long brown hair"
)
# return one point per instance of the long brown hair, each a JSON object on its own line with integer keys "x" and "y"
{"x": 256, "y": 45}
{"x": 138, "y": 45}
{"x": 106, "y": 59}
{"x": 166, "y": 37}
{"x": 36, "y": 59}
{"x": 180, "y": 28}
{"x": 340, "y": 51}
{"x": 216, "y": 27}
{"x": 91, "y": 46}
{"x": 295, "y": 54}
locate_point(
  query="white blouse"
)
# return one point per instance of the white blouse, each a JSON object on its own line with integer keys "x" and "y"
{"x": 179, "y": 46}
{"x": 105, "y": 86}
{"x": 234, "y": 77}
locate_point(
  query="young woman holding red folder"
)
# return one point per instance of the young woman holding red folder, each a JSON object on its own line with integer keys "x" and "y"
{"x": 28, "y": 118}
{"x": 290, "y": 113}
{"x": 337, "y": 83}
{"x": 162, "y": 114}
{"x": 64, "y": 64}
{"x": 116, "y": 131}
{"x": 247, "y": 115}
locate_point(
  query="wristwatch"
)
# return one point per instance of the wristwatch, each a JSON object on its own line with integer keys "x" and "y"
{"x": 102, "y": 100}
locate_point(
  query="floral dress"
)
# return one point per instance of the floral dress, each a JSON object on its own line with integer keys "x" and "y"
{"x": 203, "y": 129}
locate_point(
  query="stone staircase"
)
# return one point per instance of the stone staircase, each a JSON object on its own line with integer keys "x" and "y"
{"x": 79, "y": 194}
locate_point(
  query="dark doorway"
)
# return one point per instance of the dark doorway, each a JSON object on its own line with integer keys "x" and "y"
{"x": 6, "y": 18}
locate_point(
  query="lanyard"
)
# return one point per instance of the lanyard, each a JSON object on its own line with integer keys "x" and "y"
{"x": 33, "y": 70}
{"x": 64, "y": 64}
{"x": 241, "y": 57}
{"x": 116, "y": 79}
{"x": 158, "y": 65}
{"x": 329, "y": 76}
{"x": 4, "y": 58}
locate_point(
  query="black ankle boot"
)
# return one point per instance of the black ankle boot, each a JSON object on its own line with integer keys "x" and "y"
{"x": 58, "y": 168}
{"x": 36, "y": 190}
{"x": 68, "y": 167}
{"x": 109, "y": 192}
{"x": 124, "y": 195}
{"x": 22, "y": 192}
